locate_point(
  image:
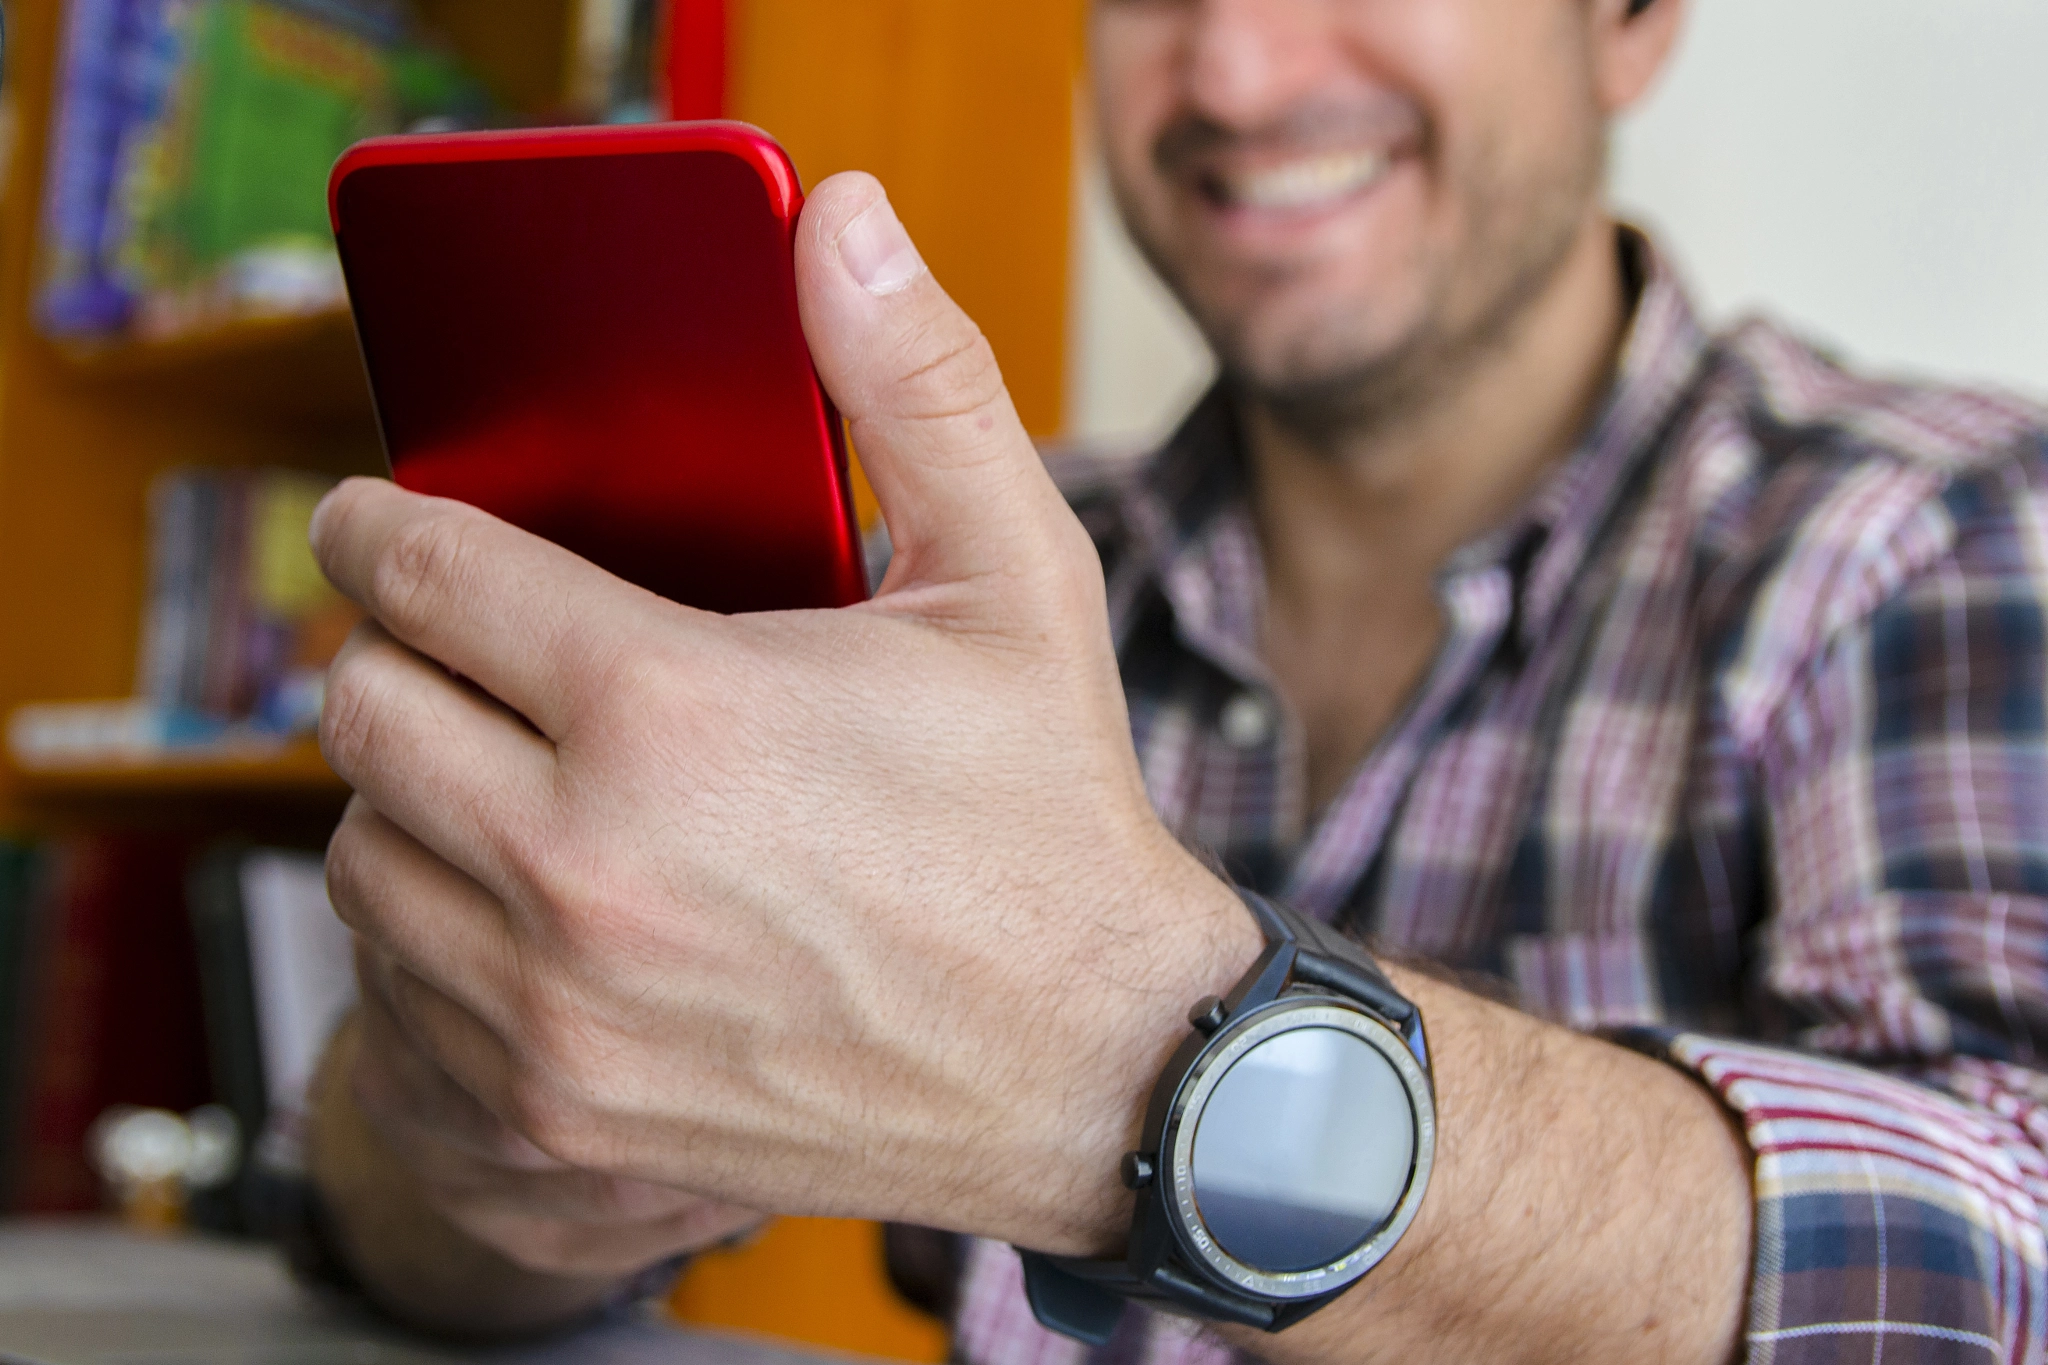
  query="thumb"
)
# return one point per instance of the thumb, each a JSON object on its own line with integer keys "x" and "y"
{"x": 959, "y": 481}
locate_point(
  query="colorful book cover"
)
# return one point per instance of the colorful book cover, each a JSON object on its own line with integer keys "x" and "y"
{"x": 152, "y": 67}
{"x": 225, "y": 691}
{"x": 239, "y": 622}
{"x": 206, "y": 520}
{"x": 237, "y": 209}
{"x": 191, "y": 146}
{"x": 287, "y": 591}
{"x": 174, "y": 559}
{"x": 78, "y": 295}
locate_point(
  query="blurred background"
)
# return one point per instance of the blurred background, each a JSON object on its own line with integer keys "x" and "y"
{"x": 1872, "y": 171}
{"x": 179, "y": 383}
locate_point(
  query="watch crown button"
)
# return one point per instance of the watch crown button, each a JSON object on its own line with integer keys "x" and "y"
{"x": 1138, "y": 1170}
{"x": 1208, "y": 1014}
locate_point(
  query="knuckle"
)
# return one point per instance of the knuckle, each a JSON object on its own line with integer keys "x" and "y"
{"x": 552, "y": 1041}
{"x": 539, "y": 1112}
{"x": 953, "y": 372}
{"x": 505, "y": 1150}
{"x": 590, "y": 911}
{"x": 546, "y": 1247}
{"x": 1065, "y": 581}
{"x": 349, "y": 883}
{"x": 618, "y": 681}
{"x": 538, "y": 1251}
{"x": 606, "y": 1200}
{"x": 1077, "y": 573}
{"x": 349, "y": 717}
{"x": 430, "y": 559}
{"x": 541, "y": 1108}
{"x": 545, "y": 873}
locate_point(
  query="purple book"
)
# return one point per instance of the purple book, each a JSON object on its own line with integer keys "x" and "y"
{"x": 118, "y": 65}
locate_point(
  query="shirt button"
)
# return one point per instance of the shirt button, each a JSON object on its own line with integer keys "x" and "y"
{"x": 1247, "y": 721}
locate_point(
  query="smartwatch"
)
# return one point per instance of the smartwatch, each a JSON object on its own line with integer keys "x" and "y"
{"x": 1285, "y": 1152}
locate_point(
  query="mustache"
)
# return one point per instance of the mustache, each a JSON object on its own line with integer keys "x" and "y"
{"x": 1193, "y": 141}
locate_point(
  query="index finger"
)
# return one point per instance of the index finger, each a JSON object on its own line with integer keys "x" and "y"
{"x": 532, "y": 624}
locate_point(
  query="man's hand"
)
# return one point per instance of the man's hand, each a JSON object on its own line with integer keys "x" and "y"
{"x": 450, "y": 1222}
{"x": 865, "y": 912}
{"x": 859, "y": 912}
{"x": 497, "y": 1188}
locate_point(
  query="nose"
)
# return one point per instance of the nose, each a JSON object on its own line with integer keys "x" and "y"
{"x": 1251, "y": 61}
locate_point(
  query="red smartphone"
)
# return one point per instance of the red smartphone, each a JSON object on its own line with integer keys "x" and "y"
{"x": 592, "y": 333}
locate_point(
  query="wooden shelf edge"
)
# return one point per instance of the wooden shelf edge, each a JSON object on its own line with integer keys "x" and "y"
{"x": 295, "y": 771}
{"x": 252, "y": 337}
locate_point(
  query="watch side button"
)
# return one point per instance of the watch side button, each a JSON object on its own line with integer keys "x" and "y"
{"x": 1138, "y": 1170}
{"x": 1208, "y": 1014}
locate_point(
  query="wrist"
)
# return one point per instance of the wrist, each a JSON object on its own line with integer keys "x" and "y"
{"x": 1556, "y": 1139}
{"x": 1201, "y": 940}
{"x": 1275, "y": 1170}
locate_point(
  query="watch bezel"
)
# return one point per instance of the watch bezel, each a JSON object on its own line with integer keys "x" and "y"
{"x": 1238, "y": 1038}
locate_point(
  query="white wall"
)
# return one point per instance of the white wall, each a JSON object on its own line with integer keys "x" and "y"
{"x": 1137, "y": 361}
{"x": 1873, "y": 171}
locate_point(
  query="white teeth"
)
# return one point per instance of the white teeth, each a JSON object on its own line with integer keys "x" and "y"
{"x": 1309, "y": 183}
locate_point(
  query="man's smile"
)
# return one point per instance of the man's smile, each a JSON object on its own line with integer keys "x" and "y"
{"x": 1302, "y": 184}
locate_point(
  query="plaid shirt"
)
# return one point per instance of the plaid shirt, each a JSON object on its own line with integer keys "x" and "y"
{"x": 1738, "y": 738}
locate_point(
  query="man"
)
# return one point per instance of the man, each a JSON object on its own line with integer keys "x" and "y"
{"x": 1658, "y": 689}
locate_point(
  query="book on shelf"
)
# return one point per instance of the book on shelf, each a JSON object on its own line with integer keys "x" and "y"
{"x": 612, "y": 74}
{"x": 277, "y": 974}
{"x": 143, "y": 971}
{"x": 190, "y": 145}
{"x": 238, "y": 629}
{"x": 112, "y": 1007}
{"x": 22, "y": 867}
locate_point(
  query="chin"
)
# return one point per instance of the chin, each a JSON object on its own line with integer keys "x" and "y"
{"x": 1281, "y": 350}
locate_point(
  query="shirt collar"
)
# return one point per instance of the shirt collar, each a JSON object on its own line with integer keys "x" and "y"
{"x": 1189, "y": 518}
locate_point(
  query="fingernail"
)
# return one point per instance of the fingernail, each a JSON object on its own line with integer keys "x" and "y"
{"x": 878, "y": 252}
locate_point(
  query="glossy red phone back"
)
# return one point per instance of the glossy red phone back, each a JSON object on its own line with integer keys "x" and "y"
{"x": 593, "y": 334}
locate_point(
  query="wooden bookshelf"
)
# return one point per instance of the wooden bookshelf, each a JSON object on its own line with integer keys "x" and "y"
{"x": 965, "y": 111}
{"x": 295, "y": 368}
{"x": 294, "y": 771}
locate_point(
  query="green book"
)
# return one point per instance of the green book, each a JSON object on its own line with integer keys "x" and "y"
{"x": 268, "y": 99}
{"x": 227, "y": 195}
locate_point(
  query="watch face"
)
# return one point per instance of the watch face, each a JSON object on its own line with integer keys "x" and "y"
{"x": 1300, "y": 1148}
{"x": 1303, "y": 1151}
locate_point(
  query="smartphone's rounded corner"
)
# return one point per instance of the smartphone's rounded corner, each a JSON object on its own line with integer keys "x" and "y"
{"x": 344, "y": 167}
{"x": 375, "y": 151}
{"x": 770, "y": 161}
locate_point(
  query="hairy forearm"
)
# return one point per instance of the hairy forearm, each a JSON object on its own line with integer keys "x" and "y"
{"x": 414, "y": 1263}
{"x": 1589, "y": 1205}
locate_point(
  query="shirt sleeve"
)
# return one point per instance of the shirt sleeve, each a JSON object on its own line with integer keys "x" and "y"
{"x": 1901, "y": 1138}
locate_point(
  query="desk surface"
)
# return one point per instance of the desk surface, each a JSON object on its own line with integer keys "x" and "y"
{"x": 84, "y": 1293}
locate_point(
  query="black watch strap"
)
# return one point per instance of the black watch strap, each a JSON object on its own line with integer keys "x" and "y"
{"x": 1085, "y": 1299}
{"x": 1326, "y": 957}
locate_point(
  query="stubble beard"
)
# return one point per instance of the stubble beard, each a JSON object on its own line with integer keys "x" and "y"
{"x": 1331, "y": 401}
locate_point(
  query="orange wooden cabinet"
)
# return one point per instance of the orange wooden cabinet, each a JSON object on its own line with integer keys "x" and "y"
{"x": 820, "y": 1281}
{"x": 965, "y": 112}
